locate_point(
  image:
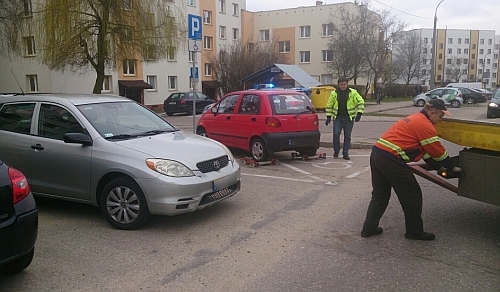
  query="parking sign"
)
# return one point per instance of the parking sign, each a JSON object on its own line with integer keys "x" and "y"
{"x": 194, "y": 27}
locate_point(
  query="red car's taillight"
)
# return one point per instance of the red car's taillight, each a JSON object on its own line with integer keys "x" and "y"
{"x": 183, "y": 101}
{"x": 273, "y": 122}
{"x": 20, "y": 186}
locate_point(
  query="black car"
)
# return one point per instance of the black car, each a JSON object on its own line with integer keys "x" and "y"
{"x": 471, "y": 96}
{"x": 494, "y": 106}
{"x": 18, "y": 221}
{"x": 182, "y": 102}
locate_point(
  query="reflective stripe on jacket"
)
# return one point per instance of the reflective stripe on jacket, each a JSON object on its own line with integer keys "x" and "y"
{"x": 413, "y": 137}
{"x": 355, "y": 104}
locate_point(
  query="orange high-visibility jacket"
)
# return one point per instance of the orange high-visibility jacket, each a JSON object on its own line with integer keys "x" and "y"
{"x": 412, "y": 138}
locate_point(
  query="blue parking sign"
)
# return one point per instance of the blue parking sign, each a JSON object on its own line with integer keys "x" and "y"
{"x": 194, "y": 27}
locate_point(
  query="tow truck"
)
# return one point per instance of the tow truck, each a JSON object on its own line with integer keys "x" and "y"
{"x": 479, "y": 160}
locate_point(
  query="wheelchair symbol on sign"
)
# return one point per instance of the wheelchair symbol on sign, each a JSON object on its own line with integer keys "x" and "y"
{"x": 333, "y": 165}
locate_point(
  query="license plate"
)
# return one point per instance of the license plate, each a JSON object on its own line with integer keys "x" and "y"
{"x": 172, "y": 102}
{"x": 220, "y": 183}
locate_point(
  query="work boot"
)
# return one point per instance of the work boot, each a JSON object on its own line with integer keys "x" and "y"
{"x": 346, "y": 157}
{"x": 335, "y": 154}
{"x": 422, "y": 236}
{"x": 367, "y": 234}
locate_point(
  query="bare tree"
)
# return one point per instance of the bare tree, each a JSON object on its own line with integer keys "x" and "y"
{"x": 236, "y": 61}
{"x": 455, "y": 69}
{"x": 73, "y": 34}
{"x": 407, "y": 54}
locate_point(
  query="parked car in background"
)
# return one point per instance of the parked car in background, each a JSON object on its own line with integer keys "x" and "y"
{"x": 114, "y": 153}
{"x": 263, "y": 122}
{"x": 471, "y": 95}
{"x": 18, "y": 220}
{"x": 493, "y": 110}
{"x": 182, "y": 102}
{"x": 450, "y": 96}
{"x": 487, "y": 92}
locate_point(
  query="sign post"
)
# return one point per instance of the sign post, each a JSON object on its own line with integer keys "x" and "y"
{"x": 194, "y": 45}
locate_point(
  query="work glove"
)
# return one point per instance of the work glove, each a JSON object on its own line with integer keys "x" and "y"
{"x": 358, "y": 117}
{"x": 457, "y": 172}
{"x": 453, "y": 173}
{"x": 328, "y": 120}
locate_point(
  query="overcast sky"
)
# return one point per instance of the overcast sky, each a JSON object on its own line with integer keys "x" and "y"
{"x": 451, "y": 14}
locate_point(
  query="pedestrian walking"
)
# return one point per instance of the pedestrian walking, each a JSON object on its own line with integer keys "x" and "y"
{"x": 409, "y": 139}
{"x": 345, "y": 106}
{"x": 378, "y": 91}
{"x": 418, "y": 88}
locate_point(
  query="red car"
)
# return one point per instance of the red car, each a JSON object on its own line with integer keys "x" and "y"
{"x": 263, "y": 122}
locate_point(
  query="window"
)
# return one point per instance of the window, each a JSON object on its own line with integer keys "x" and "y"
{"x": 440, "y": 45}
{"x": 222, "y": 6}
{"x": 424, "y": 72}
{"x": 488, "y": 61}
{"x": 495, "y": 65}
{"x": 305, "y": 57}
{"x": 32, "y": 82}
{"x": 459, "y": 40}
{"x": 172, "y": 82}
{"x": 466, "y": 61}
{"x": 425, "y": 50}
{"x": 426, "y": 40}
{"x": 222, "y": 32}
{"x": 473, "y": 46}
{"x": 466, "y": 51}
{"x": 439, "y": 77}
{"x": 207, "y": 43}
{"x": 481, "y": 51}
{"x": 495, "y": 56}
{"x": 327, "y": 55}
{"x": 459, "y": 51}
{"x": 107, "y": 85}
{"x": 473, "y": 56}
{"x": 450, "y": 51}
{"x": 249, "y": 105}
{"x": 250, "y": 47}
{"x": 471, "y": 77}
{"x": 126, "y": 34}
{"x": 328, "y": 29}
{"x": 326, "y": 78}
{"x": 191, "y": 3}
{"x": 450, "y": 41}
{"x": 171, "y": 53}
{"x": 494, "y": 75}
{"x": 496, "y": 46}
{"x": 480, "y": 71}
{"x": 440, "y": 67}
{"x": 228, "y": 104}
{"x": 208, "y": 69}
{"x": 440, "y": 56}
{"x": 29, "y": 45}
{"x": 56, "y": 121}
{"x": 466, "y": 40}
{"x": 152, "y": 80}
{"x": 489, "y": 51}
{"x": 448, "y": 61}
{"x": 28, "y": 8}
{"x": 481, "y": 41}
{"x": 284, "y": 47}
{"x": 264, "y": 35}
{"x": 305, "y": 31}
{"x": 448, "y": 72}
{"x": 236, "y": 9}
{"x": 472, "y": 66}
{"x": 128, "y": 67}
{"x": 207, "y": 17}
{"x": 150, "y": 52}
{"x": 464, "y": 71}
{"x": 236, "y": 34}
{"x": 459, "y": 61}
{"x": 424, "y": 61}
{"x": 17, "y": 117}
{"x": 490, "y": 41}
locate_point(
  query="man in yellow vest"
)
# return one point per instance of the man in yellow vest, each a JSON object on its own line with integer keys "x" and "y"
{"x": 346, "y": 106}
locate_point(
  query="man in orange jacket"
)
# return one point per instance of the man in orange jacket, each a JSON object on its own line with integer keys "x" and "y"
{"x": 408, "y": 140}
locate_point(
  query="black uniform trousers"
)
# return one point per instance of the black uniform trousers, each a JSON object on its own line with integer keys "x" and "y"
{"x": 387, "y": 173}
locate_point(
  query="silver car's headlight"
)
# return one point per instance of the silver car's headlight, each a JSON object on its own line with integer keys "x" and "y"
{"x": 492, "y": 104}
{"x": 169, "y": 167}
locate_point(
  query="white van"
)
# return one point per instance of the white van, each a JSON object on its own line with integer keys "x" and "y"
{"x": 478, "y": 85}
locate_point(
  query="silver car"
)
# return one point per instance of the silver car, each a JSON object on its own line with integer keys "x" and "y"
{"x": 450, "y": 96}
{"x": 112, "y": 152}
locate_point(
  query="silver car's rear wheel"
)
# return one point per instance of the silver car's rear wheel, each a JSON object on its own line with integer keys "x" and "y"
{"x": 123, "y": 204}
{"x": 420, "y": 102}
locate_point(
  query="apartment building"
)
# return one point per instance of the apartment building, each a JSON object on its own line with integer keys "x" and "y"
{"x": 461, "y": 56}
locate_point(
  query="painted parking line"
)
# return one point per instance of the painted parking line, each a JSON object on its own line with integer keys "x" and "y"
{"x": 358, "y": 173}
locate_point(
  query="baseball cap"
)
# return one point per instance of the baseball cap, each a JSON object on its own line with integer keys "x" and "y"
{"x": 439, "y": 104}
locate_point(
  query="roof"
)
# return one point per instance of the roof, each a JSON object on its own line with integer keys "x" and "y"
{"x": 140, "y": 84}
{"x": 76, "y": 99}
{"x": 266, "y": 75}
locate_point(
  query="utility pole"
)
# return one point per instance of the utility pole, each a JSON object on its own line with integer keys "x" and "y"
{"x": 434, "y": 41}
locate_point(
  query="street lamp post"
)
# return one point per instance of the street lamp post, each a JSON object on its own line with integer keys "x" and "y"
{"x": 433, "y": 57}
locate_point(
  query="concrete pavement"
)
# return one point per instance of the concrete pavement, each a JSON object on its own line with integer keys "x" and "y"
{"x": 363, "y": 135}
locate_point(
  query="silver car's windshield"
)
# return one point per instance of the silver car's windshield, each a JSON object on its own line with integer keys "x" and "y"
{"x": 124, "y": 120}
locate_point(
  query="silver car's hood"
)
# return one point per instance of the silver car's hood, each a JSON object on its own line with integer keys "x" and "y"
{"x": 187, "y": 148}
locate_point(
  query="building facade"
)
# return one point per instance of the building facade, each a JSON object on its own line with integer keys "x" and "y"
{"x": 461, "y": 56}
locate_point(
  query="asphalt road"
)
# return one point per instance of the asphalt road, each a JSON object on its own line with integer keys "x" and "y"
{"x": 293, "y": 227}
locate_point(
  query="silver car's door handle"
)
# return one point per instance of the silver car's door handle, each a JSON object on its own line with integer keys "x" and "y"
{"x": 37, "y": 147}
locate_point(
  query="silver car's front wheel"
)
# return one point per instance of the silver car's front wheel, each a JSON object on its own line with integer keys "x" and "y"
{"x": 123, "y": 204}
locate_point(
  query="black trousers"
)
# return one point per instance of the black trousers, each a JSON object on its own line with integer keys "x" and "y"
{"x": 386, "y": 174}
